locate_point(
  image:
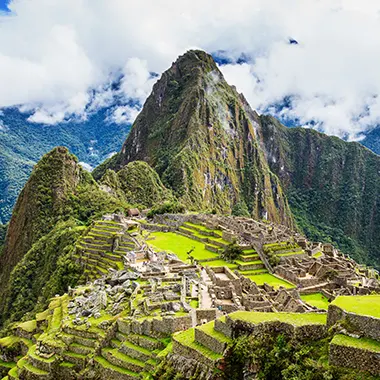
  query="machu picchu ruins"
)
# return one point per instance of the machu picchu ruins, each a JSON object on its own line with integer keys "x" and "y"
{"x": 168, "y": 290}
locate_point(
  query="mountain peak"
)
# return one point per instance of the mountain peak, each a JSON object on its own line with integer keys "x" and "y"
{"x": 202, "y": 138}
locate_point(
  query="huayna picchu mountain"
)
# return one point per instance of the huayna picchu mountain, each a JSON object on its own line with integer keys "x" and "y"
{"x": 203, "y": 140}
{"x": 215, "y": 152}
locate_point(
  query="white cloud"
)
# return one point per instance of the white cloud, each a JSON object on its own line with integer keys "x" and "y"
{"x": 86, "y": 166}
{"x": 124, "y": 114}
{"x": 53, "y": 52}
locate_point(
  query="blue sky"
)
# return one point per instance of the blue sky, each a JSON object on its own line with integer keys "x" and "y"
{"x": 3, "y": 4}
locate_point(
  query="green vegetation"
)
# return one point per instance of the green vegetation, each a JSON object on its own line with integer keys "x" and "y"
{"x": 166, "y": 208}
{"x": 316, "y": 299}
{"x": 363, "y": 305}
{"x": 279, "y": 358}
{"x": 187, "y": 338}
{"x": 138, "y": 184}
{"x": 23, "y": 143}
{"x": 361, "y": 343}
{"x": 180, "y": 245}
{"x": 296, "y": 319}
{"x": 47, "y": 269}
{"x": 232, "y": 252}
{"x": 270, "y": 279}
{"x": 332, "y": 187}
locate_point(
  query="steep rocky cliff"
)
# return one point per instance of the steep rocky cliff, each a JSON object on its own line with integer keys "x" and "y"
{"x": 202, "y": 138}
{"x": 333, "y": 186}
{"x": 138, "y": 184}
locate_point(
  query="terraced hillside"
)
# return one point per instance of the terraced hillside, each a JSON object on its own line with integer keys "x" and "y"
{"x": 209, "y": 245}
{"x": 103, "y": 247}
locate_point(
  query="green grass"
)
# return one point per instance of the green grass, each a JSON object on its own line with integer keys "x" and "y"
{"x": 106, "y": 364}
{"x": 316, "y": 299}
{"x": 362, "y": 305}
{"x": 296, "y": 319}
{"x": 28, "y": 326}
{"x": 187, "y": 337}
{"x": 9, "y": 341}
{"x": 208, "y": 328}
{"x": 34, "y": 370}
{"x": 7, "y": 364}
{"x": 318, "y": 254}
{"x": 194, "y": 304}
{"x": 361, "y": 343}
{"x": 180, "y": 245}
{"x": 270, "y": 279}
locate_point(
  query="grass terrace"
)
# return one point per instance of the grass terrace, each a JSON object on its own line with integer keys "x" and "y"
{"x": 362, "y": 305}
{"x": 361, "y": 343}
{"x": 316, "y": 299}
{"x": 296, "y": 319}
{"x": 187, "y": 338}
{"x": 180, "y": 245}
{"x": 270, "y": 279}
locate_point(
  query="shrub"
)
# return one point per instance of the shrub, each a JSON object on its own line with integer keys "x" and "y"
{"x": 166, "y": 208}
{"x": 232, "y": 252}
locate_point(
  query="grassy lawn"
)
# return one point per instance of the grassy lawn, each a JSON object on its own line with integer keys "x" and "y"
{"x": 187, "y": 339}
{"x": 180, "y": 245}
{"x": 362, "y": 343}
{"x": 208, "y": 328}
{"x": 362, "y": 305}
{"x": 316, "y": 299}
{"x": 297, "y": 319}
{"x": 270, "y": 279}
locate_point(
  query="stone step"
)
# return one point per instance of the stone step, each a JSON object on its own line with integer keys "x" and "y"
{"x": 119, "y": 359}
{"x": 221, "y": 326}
{"x": 135, "y": 351}
{"x": 111, "y": 371}
{"x": 39, "y": 362}
{"x": 185, "y": 343}
{"x": 146, "y": 342}
{"x": 79, "y": 360}
{"x": 212, "y": 339}
{"x": 32, "y": 372}
{"x": 80, "y": 349}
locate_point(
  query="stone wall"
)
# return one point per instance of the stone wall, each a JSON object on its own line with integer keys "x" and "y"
{"x": 368, "y": 327}
{"x": 299, "y": 333}
{"x": 205, "y": 315}
{"x": 352, "y": 357}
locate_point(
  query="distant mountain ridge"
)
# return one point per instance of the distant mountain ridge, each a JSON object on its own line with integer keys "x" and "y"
{"x": 23, "y": 143}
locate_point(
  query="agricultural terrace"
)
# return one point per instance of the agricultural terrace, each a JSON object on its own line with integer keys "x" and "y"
{"x": 363, "y": 305}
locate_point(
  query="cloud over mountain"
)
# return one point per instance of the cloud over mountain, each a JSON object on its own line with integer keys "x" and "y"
{"x": 55, "y": 54}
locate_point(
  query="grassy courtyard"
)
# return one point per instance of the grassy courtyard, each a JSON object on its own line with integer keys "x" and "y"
{"x": 316, "y": 299}
{"x": 296, "y": 319}
{"x": 270, "y": 279}
{"x": 362, "y": 305}
{"x": 362, "y": 343}
{"x": 180, "y": 245}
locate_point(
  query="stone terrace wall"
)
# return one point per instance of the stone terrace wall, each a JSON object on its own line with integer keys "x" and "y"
{"x": 352, "y": 357}
{"x": 368, "y": 327}
{"x": 299, "y": 333}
